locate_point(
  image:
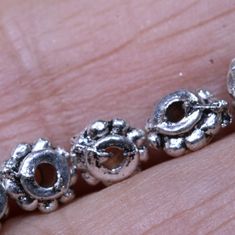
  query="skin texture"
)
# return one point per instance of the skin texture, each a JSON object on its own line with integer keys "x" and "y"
{"x": 64, "y": 64}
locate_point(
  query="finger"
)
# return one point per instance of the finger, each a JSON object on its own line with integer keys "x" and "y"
{"x": 183, "y": 196}
{"x": 65, "y": 64}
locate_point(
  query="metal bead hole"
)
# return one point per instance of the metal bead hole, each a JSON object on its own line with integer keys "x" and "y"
{"x": 115, "y": 160}
{"x": 45, "y": 175}
{"x": 175, "y": 112}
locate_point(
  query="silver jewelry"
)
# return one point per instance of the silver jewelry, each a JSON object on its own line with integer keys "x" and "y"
{"x": 95, "y": 151}
{"x": 184, "y": 121}
{"x": 231, "y": 79}
{"x": 20, "y": 176}
{"x": 3, "y": 202}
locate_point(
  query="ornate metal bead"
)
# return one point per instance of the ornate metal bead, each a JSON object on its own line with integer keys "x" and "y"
{"x": 184, "y": 121}
{"x": 231, "y": 79}
{"x": 108, "y": 151}
{"x": 29, "y": 160}
{"x": 3, "y": 202}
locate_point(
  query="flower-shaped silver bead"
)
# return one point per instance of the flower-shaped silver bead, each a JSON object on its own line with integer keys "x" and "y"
{"x": 184, "y": 121}
{"x": 231, "y": 79}
{"x": 92, "y": 156}
{"x": 20, "y": 176}
{"x": 3, "y": 202}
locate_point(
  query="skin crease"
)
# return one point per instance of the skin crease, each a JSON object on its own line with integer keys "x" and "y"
{"x": 64, "y": 64}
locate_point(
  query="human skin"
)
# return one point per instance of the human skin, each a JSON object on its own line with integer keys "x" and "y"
{"x": 64, "y": 64}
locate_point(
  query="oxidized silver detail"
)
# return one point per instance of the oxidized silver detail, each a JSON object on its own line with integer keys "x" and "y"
{"x": 19, "y": 176}
{"x": 90, "y": 151}
{"x": 203, "y": 117}
{"x": 231, "y": 79}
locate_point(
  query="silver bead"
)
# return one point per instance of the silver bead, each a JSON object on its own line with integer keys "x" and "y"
{"x": 108, "y": 151}
{"x": 20, "y": 176}
{"x": 184, "y": 121}
{"x": 3, "y": 202}
{"x": 231, "y": 79}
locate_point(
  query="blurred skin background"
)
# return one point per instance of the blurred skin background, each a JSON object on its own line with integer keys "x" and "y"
{"x": 64, "y": 64}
